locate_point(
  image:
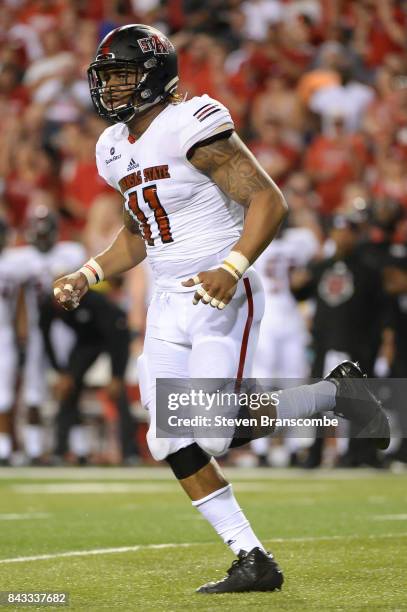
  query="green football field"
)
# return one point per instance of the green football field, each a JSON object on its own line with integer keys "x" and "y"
{"x": 128, "y": 539}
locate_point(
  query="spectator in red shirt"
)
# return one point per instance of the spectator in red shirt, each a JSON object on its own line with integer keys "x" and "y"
{"x": 81, "y": 183}
{"x": 332, "y": 161}
{"x": 30, "y": 170}
{"x": 194, "y": 65}
{"x": 380, "y": 28}
{"x": 202, "y": 71}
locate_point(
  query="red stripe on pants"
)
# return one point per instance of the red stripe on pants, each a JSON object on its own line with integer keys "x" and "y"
{"x": 245, "y": 339}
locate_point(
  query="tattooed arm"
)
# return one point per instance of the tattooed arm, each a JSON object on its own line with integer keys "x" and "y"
{"x": 126, "y": 251}
{"x": 229, "y": 163}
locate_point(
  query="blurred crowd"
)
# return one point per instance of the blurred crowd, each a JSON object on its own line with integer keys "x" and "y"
{"x": 316, "y": 88}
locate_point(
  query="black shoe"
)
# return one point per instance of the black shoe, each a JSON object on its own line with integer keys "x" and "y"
{"x": 252, "y": 571}
{"x": 356, "y": 403}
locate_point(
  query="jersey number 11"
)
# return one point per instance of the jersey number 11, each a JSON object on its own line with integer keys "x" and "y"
{"x": 151, "y": 199}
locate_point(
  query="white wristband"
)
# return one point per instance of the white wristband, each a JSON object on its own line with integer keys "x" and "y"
{"x": 236, "y": 264}
{"x": 93, "y": 272}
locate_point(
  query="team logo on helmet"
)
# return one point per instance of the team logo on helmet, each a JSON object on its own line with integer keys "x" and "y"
{"x": 155, "y": 43}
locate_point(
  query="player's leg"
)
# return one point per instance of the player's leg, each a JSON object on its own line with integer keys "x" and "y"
{"x": 265, "y": 366}
{"x": 294, "y": 369}
{"x": 223, "y": 347}
{"x": 161, "y": 359}
{"x": 34, "y": 394}
{"x": 68, "y": 417}
{"x": 8, "y": 365}
{"x": 197, "y": 473}
{"x": 344, "y": 392}
{"x": 127, "y": 428}
{"x": 210, "y": 492}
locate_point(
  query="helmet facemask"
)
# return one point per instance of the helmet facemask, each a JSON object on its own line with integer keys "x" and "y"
{"x": 119, "y": 88}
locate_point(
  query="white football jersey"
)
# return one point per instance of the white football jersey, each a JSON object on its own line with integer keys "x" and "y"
{"x": 62, "y": 258}
{"x": 295, "y": 248}
{"x": 188, "y": 224}
{"x": 15, "y": 270}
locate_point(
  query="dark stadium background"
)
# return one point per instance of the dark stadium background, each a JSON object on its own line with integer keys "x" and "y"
{"x": 268, "y": 61}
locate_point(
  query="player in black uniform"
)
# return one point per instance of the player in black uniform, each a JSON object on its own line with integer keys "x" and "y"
{"x": 100, "y": 326}
{"x": 395, "y": 282}
{"x": 348, "y": 320}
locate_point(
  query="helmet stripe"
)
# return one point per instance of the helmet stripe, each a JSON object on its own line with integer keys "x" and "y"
{"x": 105, "y": 48}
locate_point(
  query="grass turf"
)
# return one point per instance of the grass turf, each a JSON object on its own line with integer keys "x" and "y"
{"x": 340, "y": 537}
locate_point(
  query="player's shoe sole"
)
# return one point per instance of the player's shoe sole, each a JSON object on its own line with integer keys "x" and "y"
{"x": 252, "y": 571}
{"x": 355, "y": 402}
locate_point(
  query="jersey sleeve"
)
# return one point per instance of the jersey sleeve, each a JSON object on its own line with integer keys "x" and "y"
{"x": 201, "y": 118}
{"x": 102, "y": 153}
{"x": 23, "y": 264}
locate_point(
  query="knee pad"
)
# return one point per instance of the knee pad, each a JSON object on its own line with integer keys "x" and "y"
{"x": 187, "y": 461}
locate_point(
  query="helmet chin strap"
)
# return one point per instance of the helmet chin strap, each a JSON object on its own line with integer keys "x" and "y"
{"x": 135, "y": 110}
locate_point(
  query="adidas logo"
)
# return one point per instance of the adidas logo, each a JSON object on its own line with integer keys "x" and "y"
{"x": 132, "y": 165}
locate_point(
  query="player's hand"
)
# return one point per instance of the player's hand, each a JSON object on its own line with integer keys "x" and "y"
{"x": 217, "y": 287}
{"x": 69, "y": 290}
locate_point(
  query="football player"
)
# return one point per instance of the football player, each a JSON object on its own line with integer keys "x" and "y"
{"x": 281, "y": 350}
{"x": 51, "y": 258}
{"x": 187, "y": 180}
{"x": 14, "y": 271}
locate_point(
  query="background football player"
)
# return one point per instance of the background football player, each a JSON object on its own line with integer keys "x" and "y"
{"x": 51, "y": 258}
{"x": 14, "y": 272}
{"x": 282, "y": 348}
{"x": 100, "y": 327}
